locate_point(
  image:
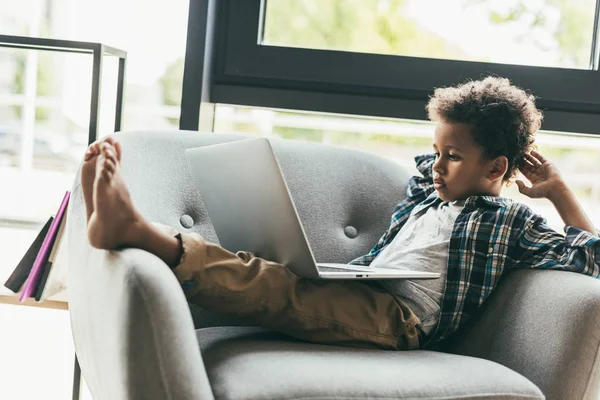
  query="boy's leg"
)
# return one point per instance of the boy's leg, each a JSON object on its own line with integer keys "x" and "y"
{"x": 266, "y": 293}
{"x": 337, "y": 312}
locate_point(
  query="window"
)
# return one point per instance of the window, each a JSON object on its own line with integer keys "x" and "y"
{"x": 576, "y": 156}
{"x": 359, "y": 73}
{"x": 262, "y": 60}
{"x": 541, "y": 33}
{"x": 54, "y": 89}
{"x": 60, "y": 84}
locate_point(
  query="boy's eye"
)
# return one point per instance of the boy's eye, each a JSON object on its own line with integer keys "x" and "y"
{"x": 452, "y": 157}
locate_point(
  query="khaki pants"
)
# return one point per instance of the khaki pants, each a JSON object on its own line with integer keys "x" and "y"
{"x": 348, "y": 313}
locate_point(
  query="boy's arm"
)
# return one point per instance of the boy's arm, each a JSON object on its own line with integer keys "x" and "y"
{"x": 539, "y": 246}
{"x": 547, "y": 182}
{"x": 571, "y": 211}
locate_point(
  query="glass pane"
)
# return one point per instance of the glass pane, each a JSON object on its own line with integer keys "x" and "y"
{"x": 45, "y": 95}
{"x": 577, "y": 156}
{"x": 524, "y": 32}
{"x": 155, "y": 57}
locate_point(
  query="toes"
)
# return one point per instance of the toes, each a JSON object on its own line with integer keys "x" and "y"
{"x": 118, "y": 149}
{"x": 108, "y": 141}
{"x": 109, "y": 152}
{"x": 92, "y": 151}
{"x": 109, "y": 147}
{"x": 116, "y": 146}
{"x": 109, "y": 165}
{"x": 105, "y": 167}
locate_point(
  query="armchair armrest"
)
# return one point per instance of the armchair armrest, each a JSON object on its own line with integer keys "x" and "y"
{"x": 544, "y": 325}
{"x": 131, "y": 324}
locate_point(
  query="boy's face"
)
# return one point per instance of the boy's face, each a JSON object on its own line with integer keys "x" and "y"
{"x": 460, "y": 170}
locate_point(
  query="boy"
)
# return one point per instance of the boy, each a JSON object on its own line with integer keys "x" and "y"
{"x": 453, "y": 221}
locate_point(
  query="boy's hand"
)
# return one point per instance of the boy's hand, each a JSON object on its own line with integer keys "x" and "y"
{"x": 544, "y": 177}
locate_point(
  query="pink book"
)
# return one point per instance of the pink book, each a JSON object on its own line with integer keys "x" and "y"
{"x": 44, "y": 253}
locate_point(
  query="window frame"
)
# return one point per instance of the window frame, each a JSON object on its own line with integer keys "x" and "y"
{"x": 246, "y": 72}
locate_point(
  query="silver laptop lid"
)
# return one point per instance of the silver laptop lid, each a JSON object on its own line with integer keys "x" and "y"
{"x": 249, "y": 203}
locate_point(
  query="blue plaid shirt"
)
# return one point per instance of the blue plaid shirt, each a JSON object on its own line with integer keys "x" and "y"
{"x": 490, "y": 236}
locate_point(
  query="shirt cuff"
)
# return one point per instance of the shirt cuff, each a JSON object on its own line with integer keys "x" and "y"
{"x": 577, "y": 237}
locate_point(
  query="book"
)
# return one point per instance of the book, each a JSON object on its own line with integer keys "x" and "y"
{"x": 56, "y": 285}
{"x": 42, "y": 256}
{"x": 50, "y": 269}
{"x": 18, "y": 277}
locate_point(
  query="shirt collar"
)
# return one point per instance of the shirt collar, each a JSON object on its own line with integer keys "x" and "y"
{"x": 470, "y": 202}
{"x": 491, "y": 201}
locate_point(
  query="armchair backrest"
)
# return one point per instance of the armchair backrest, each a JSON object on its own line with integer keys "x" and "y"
{"x": 344, "y": 197}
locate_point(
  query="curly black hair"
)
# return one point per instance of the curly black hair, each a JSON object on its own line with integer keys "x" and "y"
{"x": 503, "y": 116}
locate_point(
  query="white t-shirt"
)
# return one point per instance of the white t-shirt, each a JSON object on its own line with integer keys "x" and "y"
{"x": 422, "y": 244}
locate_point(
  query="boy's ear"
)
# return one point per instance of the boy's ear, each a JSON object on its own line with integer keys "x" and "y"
{"x": 498, "y": 168}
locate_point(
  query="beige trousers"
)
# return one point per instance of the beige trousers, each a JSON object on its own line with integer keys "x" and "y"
{"x": 348, "y": 313}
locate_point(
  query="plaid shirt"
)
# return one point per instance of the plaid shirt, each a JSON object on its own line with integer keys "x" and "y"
{"x": 490, "y": 236}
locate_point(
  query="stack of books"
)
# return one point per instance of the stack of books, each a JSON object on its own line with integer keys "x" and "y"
{"x": 40, "y": 273}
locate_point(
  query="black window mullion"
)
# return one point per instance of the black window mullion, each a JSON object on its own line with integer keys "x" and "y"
{"x": 595, "y": 50}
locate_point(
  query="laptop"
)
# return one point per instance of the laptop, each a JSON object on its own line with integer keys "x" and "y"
{"x": 251, "y": 209}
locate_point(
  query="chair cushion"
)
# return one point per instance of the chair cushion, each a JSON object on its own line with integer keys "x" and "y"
{"x": 253, "y": 363}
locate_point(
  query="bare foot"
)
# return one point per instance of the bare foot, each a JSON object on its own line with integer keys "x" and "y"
{"x": 114, "y": 222}
{"x": 88, "y": 171}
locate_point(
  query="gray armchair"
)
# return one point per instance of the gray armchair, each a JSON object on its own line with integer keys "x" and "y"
{"x": 538, "y": 335}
